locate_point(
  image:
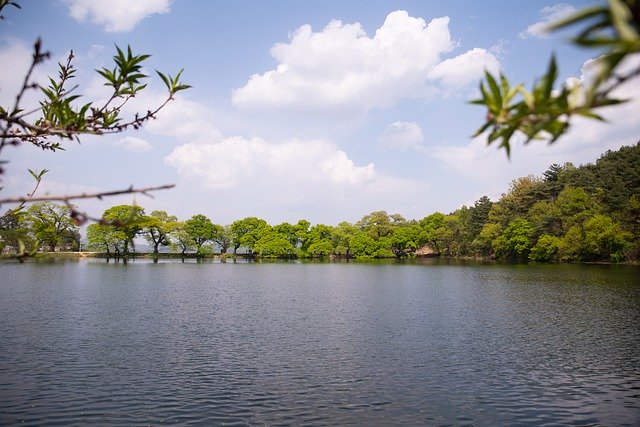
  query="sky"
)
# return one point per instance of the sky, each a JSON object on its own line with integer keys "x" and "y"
{"x": 325, "y": 111}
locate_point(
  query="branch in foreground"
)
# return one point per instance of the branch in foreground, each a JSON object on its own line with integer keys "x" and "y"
{"x": 100, "y": 195}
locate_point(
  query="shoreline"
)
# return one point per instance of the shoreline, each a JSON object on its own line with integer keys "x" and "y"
{"x": 224, "y": 257}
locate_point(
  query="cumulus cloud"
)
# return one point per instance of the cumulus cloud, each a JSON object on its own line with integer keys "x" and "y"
{"x": 136, "y": 145}
{"x": 116, "y": 15}
{"x": 236, "y": 161}
{"x": 466, "y": 68}
{"x": 549, "y": 14}
{"x": 341, "y": 69}
{"x": 16, "y": 57}
{"x": 403, "y": 136}
{"x": 310, "y": 179}
{"x": 183, "y": 119}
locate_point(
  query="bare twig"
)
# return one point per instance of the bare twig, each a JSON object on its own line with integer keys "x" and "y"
{"x": 38, "y": 57}
{"x": 99, "y": 195}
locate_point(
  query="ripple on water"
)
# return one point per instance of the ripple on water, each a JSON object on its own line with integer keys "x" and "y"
{"x": 317, "y": 344}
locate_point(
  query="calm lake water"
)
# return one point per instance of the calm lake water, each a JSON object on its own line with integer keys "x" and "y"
{"x": 426, "y": 343}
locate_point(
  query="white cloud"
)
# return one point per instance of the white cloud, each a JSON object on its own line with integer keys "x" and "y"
{"x": 116, "y": 15}
{"x": 136, "y": 145}
{"x": 313, "y": 179}
{"x": 183, "y": 119}
{"x": 501, "y": 48}
{"x": 340, "y": 70}
{"x": 16, "y": 57}
{"x": 466, "y": 68}
{"x": 236, "y": 161}
{"x": 549, "y": 14}
{"x": 402, "y": 135}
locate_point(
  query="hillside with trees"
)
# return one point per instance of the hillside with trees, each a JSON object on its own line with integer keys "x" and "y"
{"x": 589, "y": 213}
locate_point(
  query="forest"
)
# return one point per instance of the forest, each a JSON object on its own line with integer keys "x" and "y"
{"x": 588, "y": 213}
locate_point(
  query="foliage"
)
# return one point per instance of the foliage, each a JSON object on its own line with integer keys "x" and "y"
{"x": 52, "y": 225}
{"x": 157, "y": 228}
{"x": 181, "y": 239}
{"x": 271, "y": 244}
{"x": 222, "y": 237}
{"x": 127, "y": 222}
{"x": 200, "y": 229}
{"x": 15, "y": 235}
{"x": 546, "y": 249}
{"x": 246, "y": 232}
{"x": 603, "y": 237}
{"x": 103, "y": 238}
{"x": 515, "y": 242}
{"x": 60, "y": 117}
{"x": 545, "y": 112}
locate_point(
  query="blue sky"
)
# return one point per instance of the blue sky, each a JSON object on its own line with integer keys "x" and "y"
{"x": 319, "y": 110}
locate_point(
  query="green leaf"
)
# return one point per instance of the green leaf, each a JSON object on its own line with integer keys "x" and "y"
{"x": 495, "y": 91}
{"x": 38, "y": 175}
{"x": 482, "y": 129}
{"x": 181, "y": 87}
{"x": 550, "y": 78}
{"x": 621, "y": 17}
{"x": 164, "y": 79}
{"x": 581, "y": 15}
{"x": 591, "y": 115}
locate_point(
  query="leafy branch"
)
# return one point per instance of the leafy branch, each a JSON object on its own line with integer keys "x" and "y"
{"x": 545, "y": 112}
{"x": 61, "y": 118}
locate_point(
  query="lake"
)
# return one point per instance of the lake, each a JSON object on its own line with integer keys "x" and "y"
{"x": 431, "y": 342}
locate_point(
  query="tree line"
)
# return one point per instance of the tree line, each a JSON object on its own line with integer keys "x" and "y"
{"x": 573, "y": 214}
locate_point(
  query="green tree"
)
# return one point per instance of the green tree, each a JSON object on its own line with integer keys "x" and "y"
{"x": 271, "y": 244}
{"x": 222, "y": 237}
{"x": 181, "y": 239}
{"x": 523, "y": 193}
{"x": 604, "y": 238}
{"x": 572, "y": 245}
{"x": 245, "y": 232}
{"x": 320, "y": 240}
{"x": 289, "y": 232}
{"x": 158, "y": 225}
{"x": 546, "y": 248}
{"x": 363, "y": 245}
{"x": 15, "y": 236}
{"x": 52, "y": 225}
{"x": 102, "y": 237}
{"x": 127, "y": 221}
{"x": 574, "y": 206}
{"x": 478, "y": 216}
{"x": 321, "y": 248}
{"x": 380, "y": 223}
{"x": 200, "y": 229}
{"x": 483, "y": 244}
{"x": 515, "y": 241}
{"x": 341, "y": 238}
{"x": 404, "y": 241}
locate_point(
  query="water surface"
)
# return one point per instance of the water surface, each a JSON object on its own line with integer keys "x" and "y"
{"x": 310, "y": 343}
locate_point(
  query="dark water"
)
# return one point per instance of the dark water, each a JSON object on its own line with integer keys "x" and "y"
{"x": 393, "y": 344}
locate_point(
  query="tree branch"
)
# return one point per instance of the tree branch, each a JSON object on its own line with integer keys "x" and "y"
{"x": 99, "y": 195}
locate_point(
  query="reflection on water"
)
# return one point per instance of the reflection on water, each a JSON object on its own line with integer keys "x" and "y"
{"x": 313, "y": 343}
